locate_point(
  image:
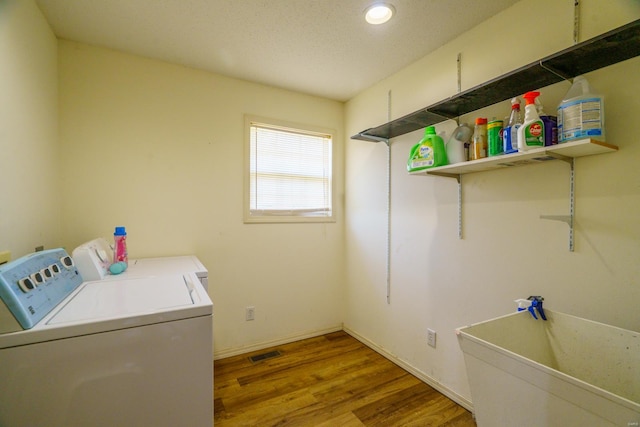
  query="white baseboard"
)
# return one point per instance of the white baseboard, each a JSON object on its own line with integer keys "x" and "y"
{"x": 266, "y": 344}
{"x": 460, "y": 400}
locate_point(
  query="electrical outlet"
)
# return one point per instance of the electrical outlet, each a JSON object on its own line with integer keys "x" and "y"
{"x": 431, "y": 337}
{"x": 250, "y": 313}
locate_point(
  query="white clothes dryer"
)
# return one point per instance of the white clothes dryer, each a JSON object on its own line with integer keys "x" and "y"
{"x": 128, "y": 352}
{"x": 168, "y": 265}
{"x": 94, "y": 257}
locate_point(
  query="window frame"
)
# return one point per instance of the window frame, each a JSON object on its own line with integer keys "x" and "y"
{"x": 248, "y": 218}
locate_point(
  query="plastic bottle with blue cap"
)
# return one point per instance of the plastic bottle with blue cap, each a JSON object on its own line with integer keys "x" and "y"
{"x": 120, "y": 253}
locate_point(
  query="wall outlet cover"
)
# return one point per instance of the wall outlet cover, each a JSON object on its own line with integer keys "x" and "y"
{"x": 431, "y": 337}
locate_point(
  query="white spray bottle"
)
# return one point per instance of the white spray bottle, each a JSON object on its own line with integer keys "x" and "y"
{"x": 531, "y": 133}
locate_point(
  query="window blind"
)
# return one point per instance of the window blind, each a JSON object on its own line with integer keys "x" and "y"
{"x": 290, "y": 172}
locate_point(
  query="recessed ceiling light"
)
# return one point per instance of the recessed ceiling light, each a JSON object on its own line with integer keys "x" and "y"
{"x": 378, "y": 13}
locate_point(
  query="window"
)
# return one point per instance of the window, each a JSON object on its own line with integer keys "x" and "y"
{"x": 289, "y": 176}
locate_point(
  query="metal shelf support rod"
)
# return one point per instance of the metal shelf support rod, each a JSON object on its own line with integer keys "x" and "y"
{"x": 569, "y": 219}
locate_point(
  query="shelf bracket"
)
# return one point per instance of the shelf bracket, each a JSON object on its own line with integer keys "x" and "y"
{"x": 562, "y": 218}
{"x": 372, "y": 138}
{"x": 563, "y": 76}
{"x": 568, "y": 219}
{"x": 455, "y": 176}
{"x": 562, "y": 157}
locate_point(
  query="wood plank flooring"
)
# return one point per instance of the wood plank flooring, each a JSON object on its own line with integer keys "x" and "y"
{"x": 332, "y": 380}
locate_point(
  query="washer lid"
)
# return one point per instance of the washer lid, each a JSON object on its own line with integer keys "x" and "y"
{"x": 103, "y": 300}
{"x": 112, "y": 305}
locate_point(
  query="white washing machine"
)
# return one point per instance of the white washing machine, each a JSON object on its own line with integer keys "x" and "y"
{"x": 121, "y": 352}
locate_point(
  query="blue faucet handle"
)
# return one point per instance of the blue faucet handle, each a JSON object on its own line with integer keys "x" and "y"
{"x": 536, "y": 302}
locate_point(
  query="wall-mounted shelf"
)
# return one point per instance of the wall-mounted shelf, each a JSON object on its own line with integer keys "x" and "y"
{"x": 566, "y": 152}
{"x": 606, "y": 49}
{"x": 578, "y": 148}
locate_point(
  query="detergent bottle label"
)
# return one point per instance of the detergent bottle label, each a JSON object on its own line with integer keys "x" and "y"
{"x": 534, "y": 134}
{"x": 580, "y": 119}
{"x": 425, "y": 157}
{"x": 510, "y": 139}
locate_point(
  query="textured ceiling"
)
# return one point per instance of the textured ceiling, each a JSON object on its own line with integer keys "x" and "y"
{"x": 319, "y": 47}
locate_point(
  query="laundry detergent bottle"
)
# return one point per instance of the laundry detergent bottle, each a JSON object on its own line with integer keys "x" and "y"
{"x": 428, "y": 153}
{"x": 531, "y": 133}
{"x": 120, "y": 246}
{"x": 581, "y": 113}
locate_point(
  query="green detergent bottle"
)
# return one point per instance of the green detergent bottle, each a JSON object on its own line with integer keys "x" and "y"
{"x": 428, "y": 153}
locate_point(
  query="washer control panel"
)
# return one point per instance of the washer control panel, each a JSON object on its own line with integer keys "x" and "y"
{"x": 31, "y": 286}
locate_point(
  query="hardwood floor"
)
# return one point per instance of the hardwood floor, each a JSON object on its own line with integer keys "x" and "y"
{"x": 332, "y": 380}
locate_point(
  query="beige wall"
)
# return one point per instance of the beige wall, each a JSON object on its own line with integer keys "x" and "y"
{"x": 29, "y": 170}
{"x": 159, "y": 149}
{"x": 441, "y": 282}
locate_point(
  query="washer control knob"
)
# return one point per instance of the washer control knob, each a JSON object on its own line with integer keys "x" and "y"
{"x": 26, "y": 284}
{"x": 37, "y": 278}
{"x": 47, "y": 273}
{"x": 67, "y": 262}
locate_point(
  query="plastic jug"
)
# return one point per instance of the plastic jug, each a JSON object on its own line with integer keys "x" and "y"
{"x": 428, "y": 153}
{"x": 581, "y": 113}
{"x": 455, "y": 145}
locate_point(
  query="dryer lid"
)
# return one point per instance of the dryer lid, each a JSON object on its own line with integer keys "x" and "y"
{"x": 166, "y": 265}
